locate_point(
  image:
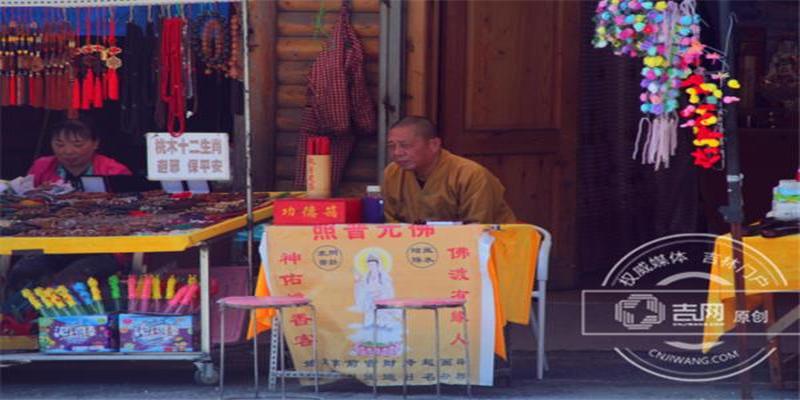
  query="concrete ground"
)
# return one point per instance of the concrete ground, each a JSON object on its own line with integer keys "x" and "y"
{"x": 572, "y": 375}
{"x": 580, "y": 368}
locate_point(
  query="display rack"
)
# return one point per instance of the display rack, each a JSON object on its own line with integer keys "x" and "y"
{"x": 198, "y": 238}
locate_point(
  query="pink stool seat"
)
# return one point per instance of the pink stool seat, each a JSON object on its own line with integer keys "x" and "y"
{"x": 251, "y": 302}
{"x": 420, "y": 303}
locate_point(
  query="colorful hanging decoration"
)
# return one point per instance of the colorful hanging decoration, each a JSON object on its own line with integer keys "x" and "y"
{"x": 666, "y": 35}
{"x": 704, "y": 113}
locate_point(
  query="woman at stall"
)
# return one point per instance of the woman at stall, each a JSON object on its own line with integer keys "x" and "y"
{"x": 75, "y": 155}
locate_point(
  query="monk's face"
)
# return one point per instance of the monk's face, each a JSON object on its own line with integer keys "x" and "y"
{"x": 410, "y": 150}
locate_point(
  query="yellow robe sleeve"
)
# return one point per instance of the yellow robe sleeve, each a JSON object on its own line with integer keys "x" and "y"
{"x": 482, "y": 199}
{"x": 391, "y": 177}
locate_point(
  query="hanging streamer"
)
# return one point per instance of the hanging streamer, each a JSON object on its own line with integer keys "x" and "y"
{"x": 666, "y": 35}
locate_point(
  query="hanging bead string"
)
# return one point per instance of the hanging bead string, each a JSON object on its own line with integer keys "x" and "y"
{"x": 172, "y": 84}
{"x": 235, "y": 60}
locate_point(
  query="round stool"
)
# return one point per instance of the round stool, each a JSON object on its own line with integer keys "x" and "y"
{"x": 254, "y": 303}
{"x": 419, "y": 304}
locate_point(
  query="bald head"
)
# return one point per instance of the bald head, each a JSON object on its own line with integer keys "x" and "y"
{"x": 420, "y": 125}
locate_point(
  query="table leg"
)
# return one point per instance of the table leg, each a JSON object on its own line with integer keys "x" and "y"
{"x": 137, "y": 265}
{"x": 774, "y": 328}
{"x": 5, "y": 266}
{"x": 205, "y": 298}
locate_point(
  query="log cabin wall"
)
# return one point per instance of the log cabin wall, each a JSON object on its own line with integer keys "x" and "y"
{"x": 296, "y": 47}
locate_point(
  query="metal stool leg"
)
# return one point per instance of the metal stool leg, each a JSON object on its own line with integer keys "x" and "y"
{"x": 375, "y": 353}
{"x": 282, "y": 354}
{"x": 314, "y": 348}
{"x": 436, "y": 351}
{"x": 255, "y": 352}
{"x": 405, "y": 356}
{"x": 466, "y": 350}
{"x": 222, "y": 351}
{"x": 273, "y": 354}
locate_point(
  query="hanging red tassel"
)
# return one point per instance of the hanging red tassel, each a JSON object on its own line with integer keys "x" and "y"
{"x": 12, "y": 90}
{"x": 32, "y": 91}
{"x": 39, "y": 91}
{"x": 3, "y": 93}
{"x": 75, "y": 102}
{"x": 113, "y": 85}
{"x": 105, "y": 84}
{"x": 98, "y": 92}
{"x": 87, "y": 90}
{"x": 47, "y": 82}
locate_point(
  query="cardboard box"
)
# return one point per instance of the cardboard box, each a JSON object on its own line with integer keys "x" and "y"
{"x": 78, "y": 334}
{"x": 156, "y": 333}
{"x": 317, "y": 211}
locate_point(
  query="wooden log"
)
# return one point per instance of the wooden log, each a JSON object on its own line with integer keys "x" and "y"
{"x": 295, "y": 95}
{"x": 285, "y": 185}
{"x": 345, "y": 188}
{"x": 330, "y": 5}
{"x": 288, "y": 119}
{"x": 361, "y": 170}
{"x": 263, "y": 59}
{"x": 366, "y": 25}
{"x": 365, "y": 147}
{"x": 292, "y": 95}
{"x": 353, "y": 189}
{"x": 296, "y": 72}
{"x": 306, "y": 49}
{"x": 358, "y": 169}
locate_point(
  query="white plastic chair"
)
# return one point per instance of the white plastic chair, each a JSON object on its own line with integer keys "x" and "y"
{"x": 539, "y": 296}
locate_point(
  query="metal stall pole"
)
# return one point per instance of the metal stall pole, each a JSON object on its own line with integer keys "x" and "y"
{"x": 391, "y": 69}
{"x": 206, "y": 369}
{"x": 733, "y": 212}
{"x": 248, "y": 145}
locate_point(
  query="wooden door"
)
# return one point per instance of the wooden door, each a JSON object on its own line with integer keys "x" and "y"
{"x": 508, "y": 100}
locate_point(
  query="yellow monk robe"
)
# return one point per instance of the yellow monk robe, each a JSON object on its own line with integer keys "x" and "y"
{"x": 457, "y": 190}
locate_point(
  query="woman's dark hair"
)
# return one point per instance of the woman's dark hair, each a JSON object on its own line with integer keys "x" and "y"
{"x": 74, "y": 128}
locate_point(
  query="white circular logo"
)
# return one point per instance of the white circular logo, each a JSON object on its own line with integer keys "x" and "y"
{"x": 672, "y": 304}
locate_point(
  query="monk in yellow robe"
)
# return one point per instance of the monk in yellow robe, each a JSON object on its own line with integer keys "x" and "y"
{"x": 427, "y": 183}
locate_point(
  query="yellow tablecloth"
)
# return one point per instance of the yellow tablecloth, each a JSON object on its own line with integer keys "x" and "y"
{"x": 770, "y": 265}
{"x": 512, "y": 267}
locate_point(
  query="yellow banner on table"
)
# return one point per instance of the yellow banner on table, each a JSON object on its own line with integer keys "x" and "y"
{"x": 769, "y": 265}
{"x": 344, "y": 269}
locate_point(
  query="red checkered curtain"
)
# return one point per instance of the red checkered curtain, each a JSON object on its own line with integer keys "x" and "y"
{"x": 338, "y": 103}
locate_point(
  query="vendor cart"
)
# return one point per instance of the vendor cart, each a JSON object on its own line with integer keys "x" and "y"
{"x": 138, "y": 245}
